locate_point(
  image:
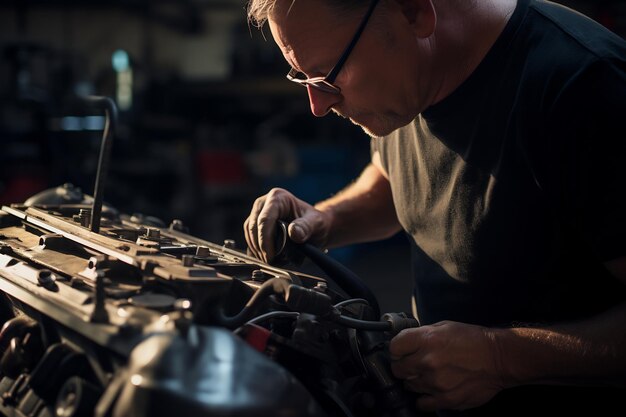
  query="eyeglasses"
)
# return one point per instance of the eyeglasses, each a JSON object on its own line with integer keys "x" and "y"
{"x": 325, "y": 84}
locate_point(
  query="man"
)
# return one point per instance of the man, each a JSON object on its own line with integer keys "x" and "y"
{"x": 498, "y": 145}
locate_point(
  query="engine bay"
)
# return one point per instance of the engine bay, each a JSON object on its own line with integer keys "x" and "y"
{"x": 140, "y": 318}
{"x": 111, "y": 314}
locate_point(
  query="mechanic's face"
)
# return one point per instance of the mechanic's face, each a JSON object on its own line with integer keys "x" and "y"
{"x": 378, "y": 82}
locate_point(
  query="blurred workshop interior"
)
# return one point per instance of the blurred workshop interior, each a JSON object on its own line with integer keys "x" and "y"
{"x": 207, "y": 120}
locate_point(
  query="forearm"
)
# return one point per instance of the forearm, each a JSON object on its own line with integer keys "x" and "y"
{"x": 361, "y": 212}
{"x": 587, "y": 352}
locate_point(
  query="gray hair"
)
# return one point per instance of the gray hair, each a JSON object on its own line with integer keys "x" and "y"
{"x": 260, "y": 10}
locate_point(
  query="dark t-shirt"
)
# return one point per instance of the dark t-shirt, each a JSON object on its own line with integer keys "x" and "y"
{"x": 512, "y": 188}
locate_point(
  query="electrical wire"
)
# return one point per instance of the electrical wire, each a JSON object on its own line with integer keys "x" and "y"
{"x": 345, "y": 303}
{"x": 274, "y": 315}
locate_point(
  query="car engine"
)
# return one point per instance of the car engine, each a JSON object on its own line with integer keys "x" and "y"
{"x": 109, "y": 314}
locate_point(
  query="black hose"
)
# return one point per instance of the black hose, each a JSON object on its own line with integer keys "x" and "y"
{"x": 269, "y": 287}
{"x": 110, "y": 126}
{"x": 342, "y": 276}
{"x": 379, "y": 326}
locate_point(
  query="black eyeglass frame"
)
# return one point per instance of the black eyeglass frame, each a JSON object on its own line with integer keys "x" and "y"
{"x": 325, "y": 83}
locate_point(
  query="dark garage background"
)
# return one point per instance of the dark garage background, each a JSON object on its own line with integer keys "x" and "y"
{"x": 207, "y": 120}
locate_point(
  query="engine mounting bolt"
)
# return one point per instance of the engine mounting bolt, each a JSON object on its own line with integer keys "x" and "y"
{"x": 84, "y": 215}
{"x": 203, "y": 251}
{"x": 153, "y": 233}
{"x": 188, "y": 260}
{"x": 259, "y": 275}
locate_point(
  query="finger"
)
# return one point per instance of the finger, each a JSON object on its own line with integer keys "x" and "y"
{"x": 250, "y": 226}
{"x": 407, "y": 367}
{"x": 266, "y": 231}
{"x": 415, "y": 384}
{"x": 423, "y": 382}
{"x": 299, "y": 231}
{"x": 407, "y": 342}
{"x": 248, "y": 234}
{"x": 312, "y": 226}
{"x": 427, "y": 402}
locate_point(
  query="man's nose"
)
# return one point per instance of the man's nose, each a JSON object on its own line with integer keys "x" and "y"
{"x": 321, "y": 102}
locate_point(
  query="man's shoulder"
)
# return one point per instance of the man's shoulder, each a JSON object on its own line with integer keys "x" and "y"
{"x": 577, "y": 28}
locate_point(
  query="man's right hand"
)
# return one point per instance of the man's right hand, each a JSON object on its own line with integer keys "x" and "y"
{"x": 307, "y": 224}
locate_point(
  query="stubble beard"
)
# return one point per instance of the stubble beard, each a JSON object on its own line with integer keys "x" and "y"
{"x": 386, "y": 122}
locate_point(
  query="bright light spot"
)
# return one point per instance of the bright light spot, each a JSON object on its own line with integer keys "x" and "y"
{"x": 93, "y": 122}
{"x": 76, "y": 123}
{"x": 70, "y": 123}
{"x": 136, "y": 380}
{"x": 120, "y": 60}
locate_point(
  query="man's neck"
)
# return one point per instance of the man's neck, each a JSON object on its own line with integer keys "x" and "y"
{"x": 464, "y": 36}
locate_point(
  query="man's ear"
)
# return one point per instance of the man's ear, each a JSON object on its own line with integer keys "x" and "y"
{"x": 420, "y": 14}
